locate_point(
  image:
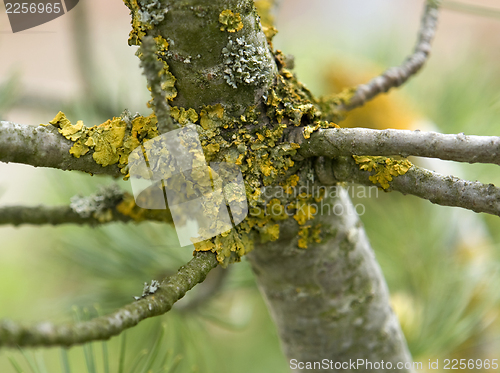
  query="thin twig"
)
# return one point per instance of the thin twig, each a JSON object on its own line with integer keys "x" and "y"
{"x": 109, "y": 204}
{"x": 429, "y": 185}
{"x": 43, "y": 215}
{"x": 396, "y": 76}
{"x": 170, "y": 291}
{"x": 334, "y": 142}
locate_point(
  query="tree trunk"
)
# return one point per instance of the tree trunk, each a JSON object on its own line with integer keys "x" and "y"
{"x": 330, "y": 301}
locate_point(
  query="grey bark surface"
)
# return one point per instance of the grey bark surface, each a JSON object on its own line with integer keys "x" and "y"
{"x": 337, "y": 142}
{"x": 330, "y": 301}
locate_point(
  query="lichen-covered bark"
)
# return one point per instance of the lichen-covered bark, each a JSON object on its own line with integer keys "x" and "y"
{"x": 43, "y": 146}
{"x": 330, "y": 301}
{"x": 199, "y": 53}
{"x": 214, "y": 65}
{"x": 440, "y": 189}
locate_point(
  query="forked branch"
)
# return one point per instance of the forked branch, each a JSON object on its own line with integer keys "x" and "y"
{"x": 170, "y": 291}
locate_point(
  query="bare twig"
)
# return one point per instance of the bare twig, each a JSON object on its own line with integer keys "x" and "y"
{"x": 42, "y": 146}
{"x": 429, "y": 185}
{"x": 336, "y": 142}
{"x": 41, "y": 215}
{"x": 396, "y": 76}
{"x": 170, "y": 291}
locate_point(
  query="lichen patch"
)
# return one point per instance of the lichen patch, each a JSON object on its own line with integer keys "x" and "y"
{"x": 385, "y": 168}
{"x": 231, "y": 22}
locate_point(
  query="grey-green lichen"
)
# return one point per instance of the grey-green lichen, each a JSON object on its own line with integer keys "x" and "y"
{"x": 245, "y": 63}
{"x": 385, "y": 168}
{"x": 151, "y": 11}
{"x": 98, "y": 205}
{"x": 149, "y": 289}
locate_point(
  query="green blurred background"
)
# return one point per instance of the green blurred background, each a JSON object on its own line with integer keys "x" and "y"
{"x": 441, "y": 264}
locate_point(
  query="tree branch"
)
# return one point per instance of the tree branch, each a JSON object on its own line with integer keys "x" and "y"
{"x": 170, "y": 291}
{"x": 336, "y": 142}
{"x": 41, "y": 215}
{"x": 42, "y": 146}
{"x": 397, "y": 76}
{"x": 109, "y": 204}
{"x": 439, "y": 189}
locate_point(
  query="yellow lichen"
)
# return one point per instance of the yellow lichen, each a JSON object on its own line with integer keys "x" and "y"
{"x": 129, "y": 208}
{"x": 276, "y": 210}
{"x": 184, "y": 116}
{"x": 231, "y": 22}
{"x": 308, "y": 234}
{"x": 210, "y": 116}
{"x": 110, "y": 141}
{"x": 139, "y": 28}
{"x": 385, "y": 168}
{"x": 270, "y": 232}
{"x": 304, "y": 212}
{"x": 252, "y": 140}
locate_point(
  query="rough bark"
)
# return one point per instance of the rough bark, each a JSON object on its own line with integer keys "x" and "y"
{"x": 330, "y": 301}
